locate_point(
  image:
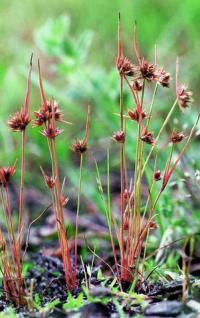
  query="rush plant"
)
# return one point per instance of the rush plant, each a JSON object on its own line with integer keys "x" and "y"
{"x": 11, "y": 249}
{"x": 11, "y": 257}
{"x": 137, "y": 210}
{"x": 47, "y": 116}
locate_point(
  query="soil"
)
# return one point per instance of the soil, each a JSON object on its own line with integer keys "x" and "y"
{"x": 164, "y": 298}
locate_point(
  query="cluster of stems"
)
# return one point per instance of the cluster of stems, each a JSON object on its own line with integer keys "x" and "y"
{"x": 138, "y": 213}
{"x": 47, "y": 116}
{"x": 11, "y": 249}
{"x": 51, "y": 132}
{"x": 11, "y": 257}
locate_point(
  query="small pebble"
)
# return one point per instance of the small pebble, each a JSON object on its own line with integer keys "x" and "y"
{"x": 164, "y": 308}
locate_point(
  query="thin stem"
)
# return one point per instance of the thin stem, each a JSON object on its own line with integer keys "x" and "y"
{"x": 30, "y": 225}
{"x": 77, "y": 217}
{"x": 158, "y": 136}
{"x": 155, "y": 143}
{"x": 185, "y": 273}
{"x": 121, "y": 104}
{"x": 11, "y": 233}
{"x": 135, "y": 46}
{"x": 15, "y": 251}
{"x": 109, "y": 216}
{"x": 135, "y": 223}
{"x": 151, "y": 106}
{"x": 167, "y": 168}
{"x": 142, "y": 97}
{"x": 60, "y": 218}
{"x": 9, "y": 226}
{"x": 21, "y": 195}
{"x": 122, "y": 170}
{"x": 132, "y": 91}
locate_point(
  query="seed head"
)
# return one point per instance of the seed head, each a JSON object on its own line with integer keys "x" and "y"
{"x": 137, "y": 86}
{"x": 162, "y": 77}
{"x": 19, "y": 121}
{"x": 46, "y": 111}
{"x": 157, "y": 175}
{"x": 41, "y": 117}
{"x": 6, "y": 174}
{"x": 125, "y": 67}
{"x": 51, "y": 132}
{"x": 119, "y": 136}
{"x": 147, "y": 137}
{"x": 50, "y": 181}
{"x": 137, "y": 115}
{"x": 152, "y": 225}
{"x": 184, "y": 96}
{"x": 176, "y": 137}
{"x": 52, "y": 106}
{"x": 148, "y": 70}
{"x": 80, "y": 146}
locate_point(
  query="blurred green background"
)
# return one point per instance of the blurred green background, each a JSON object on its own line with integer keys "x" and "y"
{"x": 76, "y": 42}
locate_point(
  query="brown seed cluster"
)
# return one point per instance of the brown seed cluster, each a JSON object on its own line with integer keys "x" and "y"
{"x": 50, "y": 181}
{"x": 119, "y": 136}
{"x": 51, "y": 132}
{"x": 157, "y": 175}
{"x": 137, "y": 86}
{"x": 19, "y": 121}
{"x": 184, "y": 96}
{"x": 177, "y": 137}
{"x": 162, "y": 77}
{"x": 144, "y": 70}
{"x": 125, "y": 67}
{"x": 79, "y": 146}
{"x": 6, "y": 174}
{"x": 47, "y": 115}
{"x": 147, "y": 137}
{"x": 46, "y": 111}
{"x": 137, "y": 115}
{"x": 147, "y": 70}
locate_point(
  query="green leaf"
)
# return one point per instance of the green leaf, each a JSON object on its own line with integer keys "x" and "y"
{"x": 52, "y": 34}
{"x": 74, "y": 303}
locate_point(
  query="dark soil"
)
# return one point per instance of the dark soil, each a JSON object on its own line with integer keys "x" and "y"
{"x": 164, "y": 298}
